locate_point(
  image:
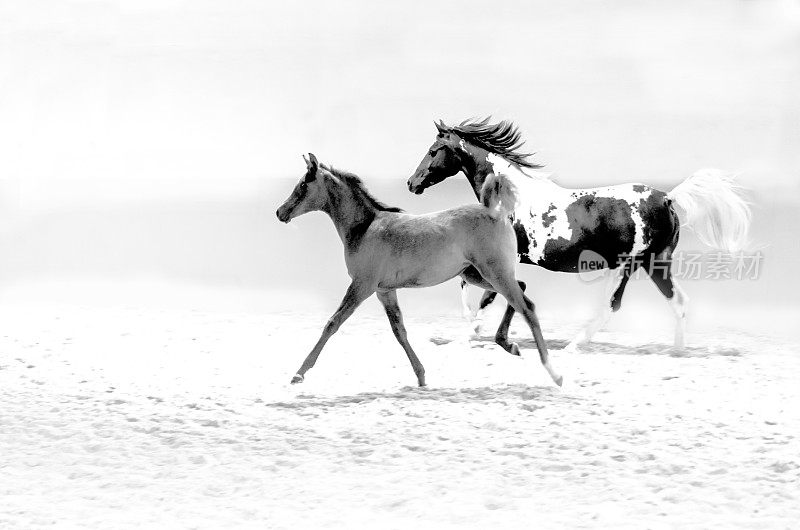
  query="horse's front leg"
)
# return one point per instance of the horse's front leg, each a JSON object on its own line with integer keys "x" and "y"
{"x": 477, "y": 321}
{"x": 615, "y": 281}
{"x": 355, "y": 294}
{"x": 466, "y": 310}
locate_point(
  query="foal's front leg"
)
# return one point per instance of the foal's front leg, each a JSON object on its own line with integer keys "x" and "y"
{"x": 355, "y": 294}
{"x": 389, "y": 301}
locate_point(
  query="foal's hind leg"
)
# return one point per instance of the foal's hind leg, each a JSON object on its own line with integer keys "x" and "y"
{"x": 353, "y": 297}
{"x": 472, "y": 276}
{"x": 504, "y": 283}
{"x": 501, "y": 337}
{"x": 389, "y": 301}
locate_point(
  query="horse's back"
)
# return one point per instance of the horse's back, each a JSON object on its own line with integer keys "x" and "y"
{"x": 612, "y": 221}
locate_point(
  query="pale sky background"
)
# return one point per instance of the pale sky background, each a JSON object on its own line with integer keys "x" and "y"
{"x": 156, "y": 138}
{"x": 603, "y": 91}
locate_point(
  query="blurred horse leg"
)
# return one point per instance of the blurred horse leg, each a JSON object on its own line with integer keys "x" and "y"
{"x": 615, "y": 281}
{"x": 466, "y": 310}
{"x": 486, "y": 299}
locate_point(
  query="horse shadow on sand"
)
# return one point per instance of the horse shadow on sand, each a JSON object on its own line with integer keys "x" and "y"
{"x": 651, "y": 348}
{"x": 530, "y": 397}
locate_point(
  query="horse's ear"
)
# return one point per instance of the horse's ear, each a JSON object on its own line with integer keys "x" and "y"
{"x": 440, "y": 126}
{"x": 312, "y": 161}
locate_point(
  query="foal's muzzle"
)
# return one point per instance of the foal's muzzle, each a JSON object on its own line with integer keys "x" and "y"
{"x": 283, "y": 214}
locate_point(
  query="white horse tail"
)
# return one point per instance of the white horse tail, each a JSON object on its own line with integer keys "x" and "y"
{"x": 499, "y": 194}
{"x": 713, "y": 206}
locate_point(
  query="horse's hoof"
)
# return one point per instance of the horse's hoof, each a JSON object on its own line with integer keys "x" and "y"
{"x": 559, "y": 380}
{"x": 515, "y": 350}
{"x": 297, "y": 379}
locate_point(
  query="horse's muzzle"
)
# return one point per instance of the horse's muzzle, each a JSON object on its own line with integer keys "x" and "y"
{"x": 283, "y": 215}
{"x": 414, "y": 188}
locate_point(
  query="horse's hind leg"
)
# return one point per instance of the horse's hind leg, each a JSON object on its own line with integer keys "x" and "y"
{"x": 353, "y": 297}
{"x": 389, "y": 301}
{"x": 661, "y": 274}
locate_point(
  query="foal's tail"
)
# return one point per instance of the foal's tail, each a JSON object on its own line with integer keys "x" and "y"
{"x": 499, "y": 194}
{"x": 714, "y": 208}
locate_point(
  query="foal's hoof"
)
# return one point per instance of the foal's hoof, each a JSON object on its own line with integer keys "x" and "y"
{"x": 514, "y": 350}
{"x": 559, "y": 380}
{"x": 297, "y": 379}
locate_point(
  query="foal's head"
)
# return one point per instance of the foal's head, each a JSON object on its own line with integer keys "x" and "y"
{"x": 444, "y": 159}
{"x": 309, "y": 195}
{"x": 330, "y": 190}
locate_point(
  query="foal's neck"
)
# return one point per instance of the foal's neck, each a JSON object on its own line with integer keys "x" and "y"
{"x": 350, "y": 213}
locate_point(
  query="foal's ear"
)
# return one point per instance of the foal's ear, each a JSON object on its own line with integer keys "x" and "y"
{"x": 311, "y": 161}
{"x": 311, "y": 166}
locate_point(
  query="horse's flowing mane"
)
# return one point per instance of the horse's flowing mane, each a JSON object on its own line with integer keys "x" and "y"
{"x": 502, "y": 138}
{"x": 357, "y": 185}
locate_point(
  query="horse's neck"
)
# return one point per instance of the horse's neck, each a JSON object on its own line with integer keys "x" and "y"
{"x": 348, "y": 212}
{"x": 528, "y": 179}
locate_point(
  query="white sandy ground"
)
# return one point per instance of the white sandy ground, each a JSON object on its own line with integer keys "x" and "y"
{"x": 129, "y": 417}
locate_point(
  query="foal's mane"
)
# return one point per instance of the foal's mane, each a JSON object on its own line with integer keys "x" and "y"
{"x": 359, "y": 189}
{"x": 502, "y": 138}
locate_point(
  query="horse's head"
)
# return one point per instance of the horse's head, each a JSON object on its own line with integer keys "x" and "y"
{"x": 442, "y": 160}
{"x": 308, "y": 195}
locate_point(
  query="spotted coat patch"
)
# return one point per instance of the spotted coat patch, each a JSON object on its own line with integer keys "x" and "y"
{"x": 554, "y": 224}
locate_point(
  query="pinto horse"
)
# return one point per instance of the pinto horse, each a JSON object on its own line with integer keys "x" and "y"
{"x": 386, "y": 249}
{"x": 627, "y": 226}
